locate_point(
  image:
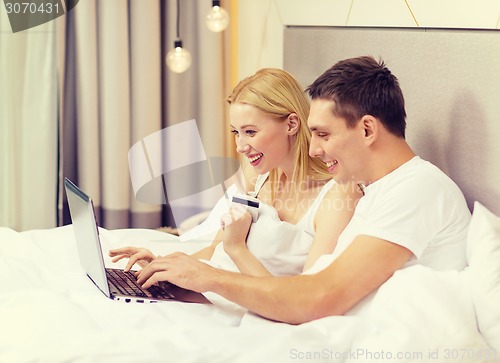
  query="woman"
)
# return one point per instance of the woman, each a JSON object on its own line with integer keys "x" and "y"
{"x": 302, "y": 212}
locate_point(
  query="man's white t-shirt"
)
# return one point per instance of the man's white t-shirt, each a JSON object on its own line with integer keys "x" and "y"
{"x": 416, "y": 206}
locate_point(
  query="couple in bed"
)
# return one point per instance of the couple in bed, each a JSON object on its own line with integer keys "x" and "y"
{"x": 268, "y": 113}
{"x": 409, "y": 212}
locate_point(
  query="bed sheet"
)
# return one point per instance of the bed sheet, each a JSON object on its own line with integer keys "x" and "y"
{"x": 51, "y": 312}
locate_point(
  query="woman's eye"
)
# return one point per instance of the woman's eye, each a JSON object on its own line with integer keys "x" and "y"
{"x": 247, "y": 132}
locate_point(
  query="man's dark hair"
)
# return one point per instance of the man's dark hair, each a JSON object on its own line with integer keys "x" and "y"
{"x": 362, "y": 86}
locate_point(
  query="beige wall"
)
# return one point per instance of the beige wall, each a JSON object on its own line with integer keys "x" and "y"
{"x": 261, "y": 22}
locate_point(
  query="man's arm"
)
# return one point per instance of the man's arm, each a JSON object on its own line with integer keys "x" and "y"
{"x": 365, "y": 265}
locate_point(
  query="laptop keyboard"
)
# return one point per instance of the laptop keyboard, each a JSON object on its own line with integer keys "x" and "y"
{"x": 126, "y": 284}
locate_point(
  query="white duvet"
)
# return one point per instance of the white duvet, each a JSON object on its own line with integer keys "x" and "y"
{"x": 51, "y": 312}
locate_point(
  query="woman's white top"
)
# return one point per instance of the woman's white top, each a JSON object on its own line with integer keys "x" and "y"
{"x": 282, "y": 247}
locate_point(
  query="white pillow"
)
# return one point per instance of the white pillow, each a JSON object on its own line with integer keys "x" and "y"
{"x": 483, "y": 256}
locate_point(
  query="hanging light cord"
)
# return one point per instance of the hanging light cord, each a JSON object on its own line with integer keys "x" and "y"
{"x": 178, "y": 18}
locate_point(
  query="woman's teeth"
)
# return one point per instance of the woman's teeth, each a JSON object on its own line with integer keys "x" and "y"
{"x": 255, "y": 158}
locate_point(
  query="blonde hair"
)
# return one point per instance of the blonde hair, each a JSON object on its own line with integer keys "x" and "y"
{"x": 277, "y": 93}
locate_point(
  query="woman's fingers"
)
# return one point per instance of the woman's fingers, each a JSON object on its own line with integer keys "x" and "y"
{"x": 118, "y": 258}
{"x": 234, "y": 214}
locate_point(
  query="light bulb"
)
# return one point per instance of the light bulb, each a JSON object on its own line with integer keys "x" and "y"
{"x": 178, "y": 58}
{"x": 217, "y": 18}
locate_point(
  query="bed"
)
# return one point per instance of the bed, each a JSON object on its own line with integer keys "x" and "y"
{"x": 51, "y": 312}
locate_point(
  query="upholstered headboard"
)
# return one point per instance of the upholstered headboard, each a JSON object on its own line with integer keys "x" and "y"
{"x": 451, "y": 83}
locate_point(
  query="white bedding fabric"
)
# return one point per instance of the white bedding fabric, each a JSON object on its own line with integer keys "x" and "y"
{"x": 51, "y": 312}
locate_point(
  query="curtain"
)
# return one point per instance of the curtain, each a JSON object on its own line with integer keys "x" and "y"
{"x": 208, "y": 76}
{"x": 77, "y": 93}
{"x": 118, "y": 92}
{"x": 28, "y": 126}
{"x": 112, "y": 94}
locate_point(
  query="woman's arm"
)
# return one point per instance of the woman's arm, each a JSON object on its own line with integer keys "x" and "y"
{"x": 143, "y": 256}
{"x": 236, "y": 226}
{"x": 244, "y": 179}
{"x": 333, "y": 215}
{"x": 247, "y": 263}
{"x": 207, "y": 252}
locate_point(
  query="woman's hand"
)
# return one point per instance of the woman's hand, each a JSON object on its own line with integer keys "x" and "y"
{"x": 236, "y": 224}
{"x": 141, "y": 256}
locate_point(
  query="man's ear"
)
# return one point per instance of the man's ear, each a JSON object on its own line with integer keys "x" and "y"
{"x": 371, "y": 128}
{"x": 293, "y": 123}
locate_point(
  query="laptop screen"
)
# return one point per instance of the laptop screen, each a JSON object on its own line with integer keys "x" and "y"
{"x": 86, "y": 235}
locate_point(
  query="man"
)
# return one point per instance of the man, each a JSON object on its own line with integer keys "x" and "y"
{"x": 411, "y": 212}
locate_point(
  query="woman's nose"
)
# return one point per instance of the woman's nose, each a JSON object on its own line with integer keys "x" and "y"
{"x": 242, "y": 147}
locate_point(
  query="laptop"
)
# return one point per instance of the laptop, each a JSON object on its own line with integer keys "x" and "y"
{"x": 116, "y": 284}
